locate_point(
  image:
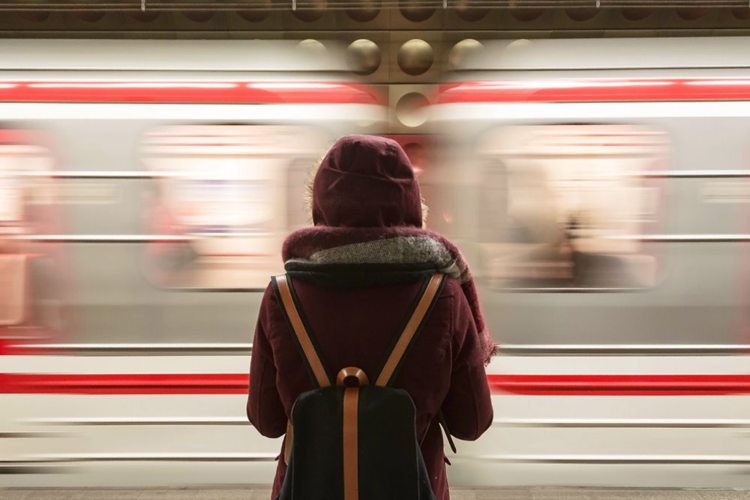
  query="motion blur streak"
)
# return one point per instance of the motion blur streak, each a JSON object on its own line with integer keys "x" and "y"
{"x": 207, "y": 383}
{"x": 596, "y": 90}
{"x": 189, "y": 92}
{"x": 601, "y": 201}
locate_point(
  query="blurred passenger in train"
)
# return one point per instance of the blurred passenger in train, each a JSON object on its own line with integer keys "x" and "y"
{"x": 356, "y": 273}
{"x": 598, "y": 263}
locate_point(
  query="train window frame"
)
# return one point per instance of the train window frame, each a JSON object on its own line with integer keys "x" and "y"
{"x": 280, "y": 219}
{"x": 649, "y": 220}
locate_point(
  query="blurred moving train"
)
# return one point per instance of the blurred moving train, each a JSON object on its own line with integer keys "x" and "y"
{"x": 599, "y": 188}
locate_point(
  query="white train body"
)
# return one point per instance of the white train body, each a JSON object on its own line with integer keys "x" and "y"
{"x": 599, "y": 187}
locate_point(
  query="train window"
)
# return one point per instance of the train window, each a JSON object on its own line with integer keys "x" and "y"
{"x": 562, "y": 206}
{"x": 26, "y": 209}
{"x": 223, "y": 198}
{"x": 21, "y": 181}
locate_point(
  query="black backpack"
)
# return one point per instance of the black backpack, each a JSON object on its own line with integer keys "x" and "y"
{"x": 351, "y": 440}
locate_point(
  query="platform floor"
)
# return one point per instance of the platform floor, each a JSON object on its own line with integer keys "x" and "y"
{"x": 457, "y": 494}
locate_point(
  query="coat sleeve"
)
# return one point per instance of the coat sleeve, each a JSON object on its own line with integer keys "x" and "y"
{"x": 264, "y": 408}
{"x": 467, "y": 407}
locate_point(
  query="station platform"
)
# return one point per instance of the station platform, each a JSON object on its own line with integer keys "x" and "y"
{"x": 536, "y": 493}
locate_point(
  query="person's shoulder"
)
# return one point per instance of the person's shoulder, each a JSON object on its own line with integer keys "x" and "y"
{"x": 451, "y": 295}
{"x": 269, "y": 290}
{"x": 454, "y": 296}
{"x": 451, "y": 287}
{"x": 269, "y": 294}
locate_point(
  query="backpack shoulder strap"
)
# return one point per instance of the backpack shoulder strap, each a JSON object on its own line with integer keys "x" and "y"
{"x": 429, "y": 294}
{"x": 284, "y": 292}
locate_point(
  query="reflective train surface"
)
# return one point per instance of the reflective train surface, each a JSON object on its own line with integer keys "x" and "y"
{"x": 600, "y": 189}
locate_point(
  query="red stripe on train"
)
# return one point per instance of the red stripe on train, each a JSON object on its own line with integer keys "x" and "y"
{"x": 189, "y": 92}
{"x": 621, "y": 385}
{"x": 536, "y": 385}
{"x": 596, "y": 90}
{"x": 146, "y": 383}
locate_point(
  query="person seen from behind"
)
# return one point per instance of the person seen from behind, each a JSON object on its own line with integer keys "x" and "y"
{"x": 357, "y": 276}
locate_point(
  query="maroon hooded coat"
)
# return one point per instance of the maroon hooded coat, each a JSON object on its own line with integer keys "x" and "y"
{"x": 356, "y": 273}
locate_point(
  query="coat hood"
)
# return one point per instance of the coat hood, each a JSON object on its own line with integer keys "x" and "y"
{"x": 366, "y": 181}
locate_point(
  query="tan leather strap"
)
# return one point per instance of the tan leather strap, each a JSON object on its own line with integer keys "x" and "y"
{"x": 411, "y": 328}
{"x": 351, "y": 451}
{"x": 288, "y": 441}
{"x": 352, "y": 378}
{"x": 301, "y": 332}
{"x": 313, "y": 360}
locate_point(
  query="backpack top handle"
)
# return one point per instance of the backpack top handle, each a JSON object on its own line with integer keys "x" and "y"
{"x": 351, "y": 376}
